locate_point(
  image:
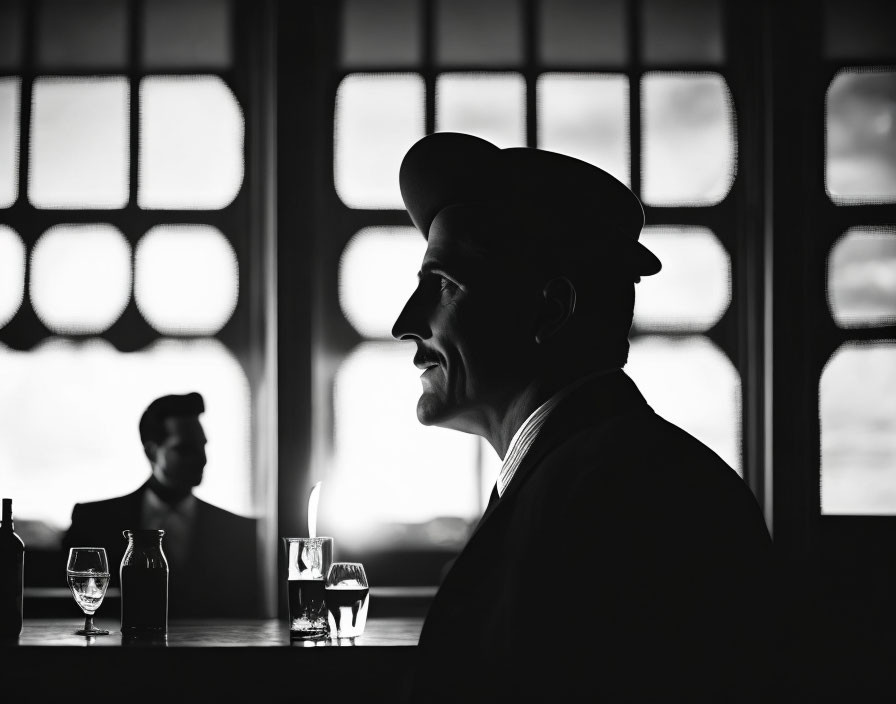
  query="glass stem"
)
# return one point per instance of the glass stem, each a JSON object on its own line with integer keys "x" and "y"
{"x": 88, "y": 623}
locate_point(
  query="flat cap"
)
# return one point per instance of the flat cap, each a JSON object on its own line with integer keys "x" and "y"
{"x": 446, "y": 169}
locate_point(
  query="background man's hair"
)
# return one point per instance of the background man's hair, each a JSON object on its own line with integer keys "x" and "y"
{"x": 152, "y": 422}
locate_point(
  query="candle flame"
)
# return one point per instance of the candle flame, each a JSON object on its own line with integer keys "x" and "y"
{"x": 312, "y": 510}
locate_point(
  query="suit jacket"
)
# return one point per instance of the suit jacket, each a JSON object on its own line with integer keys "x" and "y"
{"x": 222, "y": 578}
{"x": 625, "y": 562}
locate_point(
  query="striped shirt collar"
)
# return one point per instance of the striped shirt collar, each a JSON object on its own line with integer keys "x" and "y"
{"x": 525, "y": 435}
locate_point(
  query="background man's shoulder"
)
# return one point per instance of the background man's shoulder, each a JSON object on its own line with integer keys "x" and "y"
{"x": 222, "y": 516}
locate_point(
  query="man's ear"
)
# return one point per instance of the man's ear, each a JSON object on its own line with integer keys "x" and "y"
{"x": 559, "y": 304}
{"x": 149, "y": 449}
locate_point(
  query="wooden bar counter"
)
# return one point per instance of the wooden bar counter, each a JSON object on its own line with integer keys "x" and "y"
{"x": 213, "y": 660}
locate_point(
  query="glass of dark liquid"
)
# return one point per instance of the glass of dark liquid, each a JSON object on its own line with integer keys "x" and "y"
{"x": 348, "y": 596}
{"x": 307, "y": 562}
{"x": 87, "y": 571}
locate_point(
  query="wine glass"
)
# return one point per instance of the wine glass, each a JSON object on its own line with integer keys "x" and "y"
{"x": 348, "y": 596}
{"x": 87, "y": 571}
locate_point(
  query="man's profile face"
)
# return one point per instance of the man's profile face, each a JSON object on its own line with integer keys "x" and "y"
{"x": 180, "y": 459}
{"x": 472, "y": 318}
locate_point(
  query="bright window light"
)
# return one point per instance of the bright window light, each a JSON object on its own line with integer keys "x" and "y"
{"x": 692, "y": 290}
{"x": 586, "y": 116}
{"x": 186, "y": 279}
{"x": 857, "y": 396}
{"x": 387, "y": 468}
{"x": 862, "y": 278}
{"x": 860, "y": 121}
{"x": 80, "y": 278}
{"x": 377, "y": 274}
{"x": 89, "y": 398}
{"x": 692, "y": 383}
{"x": 10, "y": 97}
{"x": 689, "y": 141}
{"x": 79, "y": 143}
{"x": 491, "y": 106}
{"x": 12, "y": 273}
{"x": 191, "y": 143}
{"x": 378, "y": 118}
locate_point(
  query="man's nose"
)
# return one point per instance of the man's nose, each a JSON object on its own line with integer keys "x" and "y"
{"x": 411, "y": 322}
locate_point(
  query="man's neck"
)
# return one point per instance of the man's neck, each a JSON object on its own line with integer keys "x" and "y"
{"x": 170, "y": 495}
{"x": 529, "y": 400}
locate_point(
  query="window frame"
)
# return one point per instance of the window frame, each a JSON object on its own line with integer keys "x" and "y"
{"x": 247, "y": 223}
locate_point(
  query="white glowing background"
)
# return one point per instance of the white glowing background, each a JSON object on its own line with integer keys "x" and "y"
{"x": 80, "y": 277}
{"x": 862, "y": 278}
{"x": 377, "y": 274}
{"x": 490, "y": 106}
{"x": 186, "y": 279}
{"x": 375, "y": 477}
{"x": 586, "y": 116}
{"x": 191, "y": 143}
{"x": 860, "y": 136}
{"x": 691, "y": 383}
{"x": 378, "y": 118}
{"x": 857, "y": 396}
{"x": 692, "y": 290}
{"x": 12, "y": 273}
{"x": 10, "y": 98}
{"x": 79, "y": 143}
{"x": 689, "y": 144}
{"x": 70, "y": 414}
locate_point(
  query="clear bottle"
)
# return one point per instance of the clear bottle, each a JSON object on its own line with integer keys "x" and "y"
{"x": 144, "y": 584}
{"x": 12, "y": 575}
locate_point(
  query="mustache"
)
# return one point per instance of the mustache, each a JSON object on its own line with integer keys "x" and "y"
{"x": 425, "y": 357}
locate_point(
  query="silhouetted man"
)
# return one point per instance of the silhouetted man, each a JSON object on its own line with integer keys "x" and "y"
{"x": 211, "y": 553}
{"x": 619, "y": 558}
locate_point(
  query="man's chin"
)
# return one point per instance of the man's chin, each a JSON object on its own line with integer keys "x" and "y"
{"x": 432, "y": 411}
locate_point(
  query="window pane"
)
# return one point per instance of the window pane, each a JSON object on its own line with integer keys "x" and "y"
{"x": 582, "y": 32}
{"x": 858, "y": 430}
{"x": 191, "y": 148}
{"x": 186, "y": 279}
{"x": 692, "y": 290}
{"x": 859, "y": 29}
{"x": 682, "y": 31}
{"x": 89, "y": 398}
{"x": 862, "y": 278}
{"x": 378, "y": 118}
{"x": 377, "y": 274}
{"x": 10, "y": 98}
{"x": 427, "y": 481}
{"x": 80, "y": 277}
{"x": 491, "y": 106}
{"x": 82, "y": 34}
{"x": 195, "y": 34}
{"x": 381, "y": 32}
{"x": 12, "y": 273}
{"x": 689, "y": 140}
{"x": 79, "y": 143}
{"x": 586, "y": 116}
{"x": 692, "y": 383}
{"x": 861, "y": 150}
{"x": 476, "y": 33}
{"x": 11, "y": 34}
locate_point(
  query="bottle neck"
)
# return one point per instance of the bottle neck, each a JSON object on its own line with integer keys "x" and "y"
{"x": 7, "y": 523}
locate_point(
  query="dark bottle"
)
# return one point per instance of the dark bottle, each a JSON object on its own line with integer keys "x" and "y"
{"x": 12, "y": 575}
{"x": 144, "y": 584}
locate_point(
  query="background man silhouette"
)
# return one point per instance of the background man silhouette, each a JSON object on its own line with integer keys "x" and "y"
{"x": 211, "y": 553}
{"x": 619, "y": 558}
